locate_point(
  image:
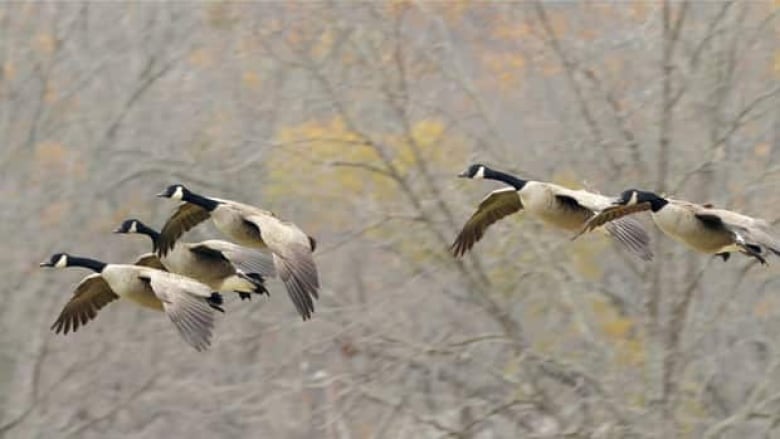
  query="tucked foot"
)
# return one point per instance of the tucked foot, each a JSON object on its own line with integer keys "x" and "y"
{"x": 753, "y": 251}
{"x": 214, "y": 301}
{"x": 244, "y": 296}
{"x": 258, "y": 281}
{"x": 724, "y": 255}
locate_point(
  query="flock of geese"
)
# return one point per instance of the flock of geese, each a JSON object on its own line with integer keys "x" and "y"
{"x": 699, "y": 226}
{"x": 186, "y": 280}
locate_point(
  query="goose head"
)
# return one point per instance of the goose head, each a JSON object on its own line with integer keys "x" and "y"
{"x": 57, "y": 260}
{"x": 633, "y": 197}
{"x": 474, "y": 171}
{"x": 174, "y": 192}
{"x": 129, "y": 226}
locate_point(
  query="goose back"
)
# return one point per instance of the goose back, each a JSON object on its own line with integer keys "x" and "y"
{"x": 554, "y": 205}
{"x": 199, "y": 262}
{"x": 678, "y": 220}
{"x": 124, "y": 281}
{"x": 231, "y": 219}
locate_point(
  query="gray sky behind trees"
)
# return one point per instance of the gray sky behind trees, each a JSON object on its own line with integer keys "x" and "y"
{"x": 352, "y": 120}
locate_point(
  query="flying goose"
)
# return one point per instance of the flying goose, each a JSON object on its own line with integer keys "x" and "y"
{"x": 555, "y": 205}
{"x": 221, "y": 265}
{"x": 699, "y": 226}
{"x": 251, "y": 227}
{"x": 189, "y": 304}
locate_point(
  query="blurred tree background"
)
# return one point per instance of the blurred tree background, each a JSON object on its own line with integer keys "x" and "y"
{"x": 352, "y": 120}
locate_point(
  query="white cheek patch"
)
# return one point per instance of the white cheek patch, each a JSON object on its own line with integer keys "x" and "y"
{"x": 62, "y": 262}
{"x": 633, "y": 199}
{"x": 178, "y": 194}
{"x": 133, "y": 227}
{"x": 480, "y": 172}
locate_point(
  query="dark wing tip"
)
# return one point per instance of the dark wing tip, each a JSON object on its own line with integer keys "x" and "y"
{"x": 312, "y": 244}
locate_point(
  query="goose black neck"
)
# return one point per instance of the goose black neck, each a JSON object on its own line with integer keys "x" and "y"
{"x": 154, "y": 235}
{"x": 511, "y": 180}
{"x": 92, "y": 264}
{"x": 200, "y": 200}
{"x": 658, "y": 203}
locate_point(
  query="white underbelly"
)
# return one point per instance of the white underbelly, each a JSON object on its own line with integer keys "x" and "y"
{"x": 682, "y": 226}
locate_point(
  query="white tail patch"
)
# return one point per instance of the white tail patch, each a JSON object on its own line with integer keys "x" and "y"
{"x": 236, "y": 283}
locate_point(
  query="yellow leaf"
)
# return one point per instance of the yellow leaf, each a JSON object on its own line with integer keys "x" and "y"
{"x": 777, "y": 61}
{"x": 584, "y": 258}
{"x": 50, "y": 154}
{"x": 52, "y": 214}
{"x": 618, "y": 328}
{"x": 631, "y": 352}
{"x": 512, "y": 31}
{"x": 9, "y": 71}
{"x": 200, "y": 58}
{"x": 251, "y": 79}
{"x": 220, "y": 16}
{"x": 762, "y": 150}
{"x": 326, "y": 160}
{"x": 50, "y": 94}
{"x": 558, "y": 22}
{"x": 765, "y": 307}
{"x": 638, "y": 10}
{"x": 44, "y": 43}
{"x": 507, "y": 67}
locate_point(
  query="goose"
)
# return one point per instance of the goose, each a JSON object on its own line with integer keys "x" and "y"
{"x": 554, "y": 205}
{"x": 221, "y": 265}
{"x": 251, "y": 227}
{"x": 699, "y": 226}
{"x": 189, "y": 304}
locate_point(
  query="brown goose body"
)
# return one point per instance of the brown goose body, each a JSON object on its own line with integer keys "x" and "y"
{"x": 189, "y": 304}
{"x": 252, "y": 227}
{"x": 556, "y": 206}
{"x": 700, "y": 227}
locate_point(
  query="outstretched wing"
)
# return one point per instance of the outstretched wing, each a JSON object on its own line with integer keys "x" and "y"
{"x": 92, "y": 294}
{"x": 189, "y": 310}
{"x": 609, "y": 214}
{"x": 293, "y": 260}
{"x": 185, "y": 217}
{"x": 748, "y": 232}
{"x": 632, "y": 235}
{"x": 493, "y": 207}
{"x": 150, "y": 260}
{"x": 246, "y": 259}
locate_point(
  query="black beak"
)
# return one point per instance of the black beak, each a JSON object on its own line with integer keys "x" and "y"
{"x": 45, "y": 264}
{"x": 463, "y": 174}
{"x": 119, "y": 230}
{"x": 162, "y": 195}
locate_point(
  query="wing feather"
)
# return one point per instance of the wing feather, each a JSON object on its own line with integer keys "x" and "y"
{"x": 246, "y": 259}
{"x": 91, "y": 295}
{"x": 185, "y": 217}
{"x": 150, "y": 260}
{"x": 187, "y": 307}
{"x": 292, "y": 256}
{"x": 609, "y": 214}
{"x": 495, "y": 206}
{"x": 630, "y": 233}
